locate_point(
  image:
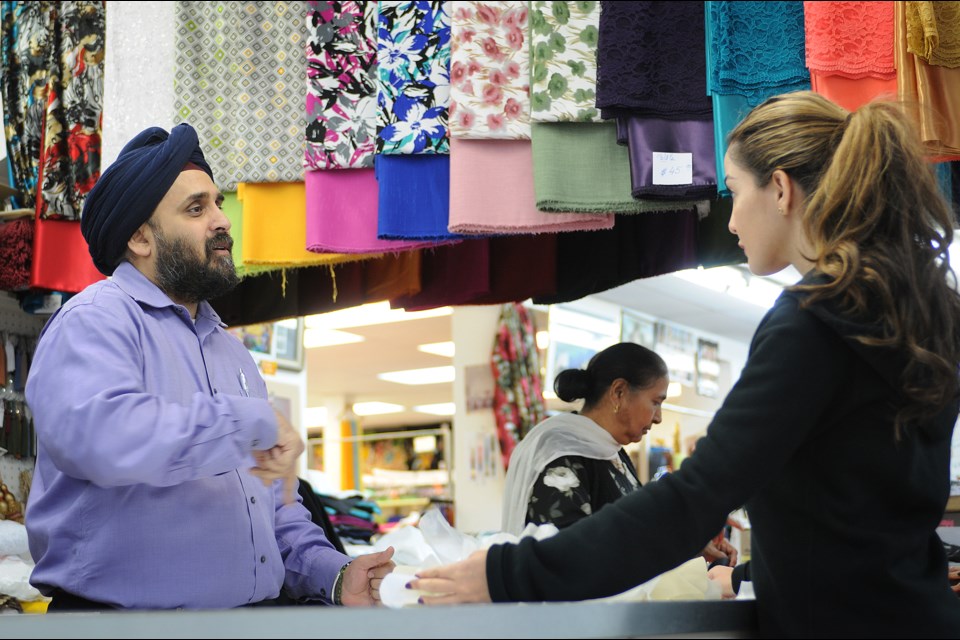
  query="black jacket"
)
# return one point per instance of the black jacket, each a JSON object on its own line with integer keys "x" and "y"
{"x": 844, "y": 516}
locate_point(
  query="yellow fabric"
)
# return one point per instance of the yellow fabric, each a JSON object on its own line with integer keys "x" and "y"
{"x": 933, "y": 32}
{"x": 275, "y": 227}
{"x": 930, "y": 92}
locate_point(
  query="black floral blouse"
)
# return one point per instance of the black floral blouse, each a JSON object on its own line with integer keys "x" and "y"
{"x": 573, "y": 487}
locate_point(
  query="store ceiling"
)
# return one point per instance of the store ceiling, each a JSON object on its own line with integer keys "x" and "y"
{"x": 350, "y": 370}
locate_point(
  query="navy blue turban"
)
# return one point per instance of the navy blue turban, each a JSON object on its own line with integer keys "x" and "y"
{"x": 130, "y": 189}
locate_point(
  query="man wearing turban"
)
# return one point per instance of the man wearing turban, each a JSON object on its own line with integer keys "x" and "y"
{"x": 164, "y": 477}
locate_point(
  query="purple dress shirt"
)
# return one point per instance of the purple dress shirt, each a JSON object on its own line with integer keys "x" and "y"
{"x": 141, "y": 496}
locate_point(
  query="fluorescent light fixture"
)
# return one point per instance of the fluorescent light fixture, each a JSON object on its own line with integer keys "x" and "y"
{"x": 369, "y": 314}
{"x": 315, "y": 417}
{"x": 316, "y": 337}
{"x": 430, "y": 375}
{"x": 548, "y": 394}
{"x": 438, "y": 409}
{"x": 674, "y": 389}
{"x": 376, "y": 408}
{"x": 543, "y": 340}
{"x": 445, "y": 349}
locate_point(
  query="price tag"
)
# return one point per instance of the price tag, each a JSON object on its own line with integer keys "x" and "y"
{"x": 672, "y": 168}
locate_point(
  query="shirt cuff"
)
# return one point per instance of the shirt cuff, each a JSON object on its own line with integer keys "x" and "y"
{"x": 256, "y": 420}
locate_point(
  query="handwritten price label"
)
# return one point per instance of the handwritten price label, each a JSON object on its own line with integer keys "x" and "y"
{"x": 672, "y": 168}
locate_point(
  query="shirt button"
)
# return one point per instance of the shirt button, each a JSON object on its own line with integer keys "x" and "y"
{"x": 253, "y": 499}
{"x": 215, "y": 391}
{"x": 255, "y": 443}
{"x": 263, "y": 559}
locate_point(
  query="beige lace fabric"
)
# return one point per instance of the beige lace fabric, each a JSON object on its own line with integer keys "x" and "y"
{"x": 933, "y": 32}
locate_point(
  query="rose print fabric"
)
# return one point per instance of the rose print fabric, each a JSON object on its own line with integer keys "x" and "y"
{"x": 341, "y": 85}
{"x": 563, "y": 51}
{"x": 573, "y": 487}
{"x": 413, "y": 62}
{"x": 489, "y": 71}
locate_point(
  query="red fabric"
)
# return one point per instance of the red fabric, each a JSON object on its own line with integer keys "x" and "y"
{"x": 61, "y": 261}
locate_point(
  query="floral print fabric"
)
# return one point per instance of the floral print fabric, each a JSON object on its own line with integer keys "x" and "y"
{"x": 573, "y": 487}
{"x": 341, "y": 85}
{"x": 53, "y": 70}
{"x": 489, "y": 71}
{"x": 413, "y": 61}
{"x": 563, "y": 76}
{"x": 518, "y": 385}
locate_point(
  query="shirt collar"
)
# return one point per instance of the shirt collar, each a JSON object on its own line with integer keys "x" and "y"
{"x": 136, "y": 285}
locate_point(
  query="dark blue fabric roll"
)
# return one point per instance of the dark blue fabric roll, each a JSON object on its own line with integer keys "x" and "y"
{"x": 130, "y": 189}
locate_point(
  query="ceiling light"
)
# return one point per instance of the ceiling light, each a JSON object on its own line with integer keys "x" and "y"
{"x": 370, "y": 314}
{"x": 439, "y": 409}
{"x": 445, "y": 349}
{"x": 430, "y": 375}
{"x": 376, "y": 408}
{"x": 316, "y": 337}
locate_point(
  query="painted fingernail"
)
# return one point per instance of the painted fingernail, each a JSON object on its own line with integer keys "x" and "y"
{"x": 419, "y": 600}
{"x": 409, "y": 585}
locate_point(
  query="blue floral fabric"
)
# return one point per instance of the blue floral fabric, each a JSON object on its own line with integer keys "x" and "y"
{"x": 413, "y": 58}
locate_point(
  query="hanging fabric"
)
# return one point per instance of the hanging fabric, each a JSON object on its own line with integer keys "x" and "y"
{"x": 563, "y": 61}
{"x": 450, "y": 275}
{"x": 518, "y": 385}
{"x": 138, "y": 93}
{"x": 240, "y": 82}
{"x": 579, "y": 167}
{"x": 849, "y": 51}
{"x": 341, "y": 85}
{"x": 930, "y": 92}
{"x": 490, "y": 71}
{"x": 275, "y": 229}
{"x": 754, "y": 50}
{"x": 933, "y": 32}
{"x": 491, "y": 191}
{"x": 342, "y": 213}
{"x": 16, "y": 251}
{"x": 413, "y": 99}
{"x": 414, "y": 197}
{"x": 233, "y": 209}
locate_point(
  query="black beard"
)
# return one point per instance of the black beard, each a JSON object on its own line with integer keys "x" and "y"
{"x": 181, "y": 275}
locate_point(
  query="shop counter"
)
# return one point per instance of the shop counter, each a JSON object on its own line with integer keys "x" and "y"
{"x": 719, "y": 619}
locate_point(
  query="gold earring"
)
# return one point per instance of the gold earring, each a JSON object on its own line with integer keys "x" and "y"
{"x": 616, "y": 408}
{"x": 780, "y": 210}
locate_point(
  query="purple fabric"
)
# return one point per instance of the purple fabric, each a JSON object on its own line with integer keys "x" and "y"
{"x": 651, "y": 60}
{"x": 646, "y": 136}
{"x": 142, "y": 496}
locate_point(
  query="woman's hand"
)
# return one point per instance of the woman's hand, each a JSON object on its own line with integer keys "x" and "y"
{"x": 456, "y": 583}
{"x": 723, "y": 575}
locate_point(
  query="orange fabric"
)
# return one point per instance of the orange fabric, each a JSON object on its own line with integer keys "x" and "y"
{"x": 275, "y": 227}
{"x": 850, "y": 93}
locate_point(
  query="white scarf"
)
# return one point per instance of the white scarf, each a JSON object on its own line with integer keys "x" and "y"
{"x": 566, "y": 434}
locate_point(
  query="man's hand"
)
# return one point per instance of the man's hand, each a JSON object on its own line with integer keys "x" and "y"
{"x": 362, "y": 579}
{"x": 724, "y": 576}
{"x": 280, "y": 461}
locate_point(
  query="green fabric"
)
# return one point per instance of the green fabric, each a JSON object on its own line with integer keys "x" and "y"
{"x": 234, "y": 211}
{"x": 578, "y": 167}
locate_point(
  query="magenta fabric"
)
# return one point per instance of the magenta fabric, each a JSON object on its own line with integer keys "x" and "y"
{"x": 342, "y": 214}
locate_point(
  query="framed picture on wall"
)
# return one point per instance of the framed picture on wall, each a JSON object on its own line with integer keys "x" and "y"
{"x": 637, "y": 329}
{"x": 280, "y": 342}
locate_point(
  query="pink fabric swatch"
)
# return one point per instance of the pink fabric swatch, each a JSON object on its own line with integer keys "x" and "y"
{"x": 491, "y": 191}
{"x": 342, "y": 214}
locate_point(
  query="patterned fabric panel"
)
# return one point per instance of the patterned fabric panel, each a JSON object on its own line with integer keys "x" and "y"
{"x": 241, "y": 81}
